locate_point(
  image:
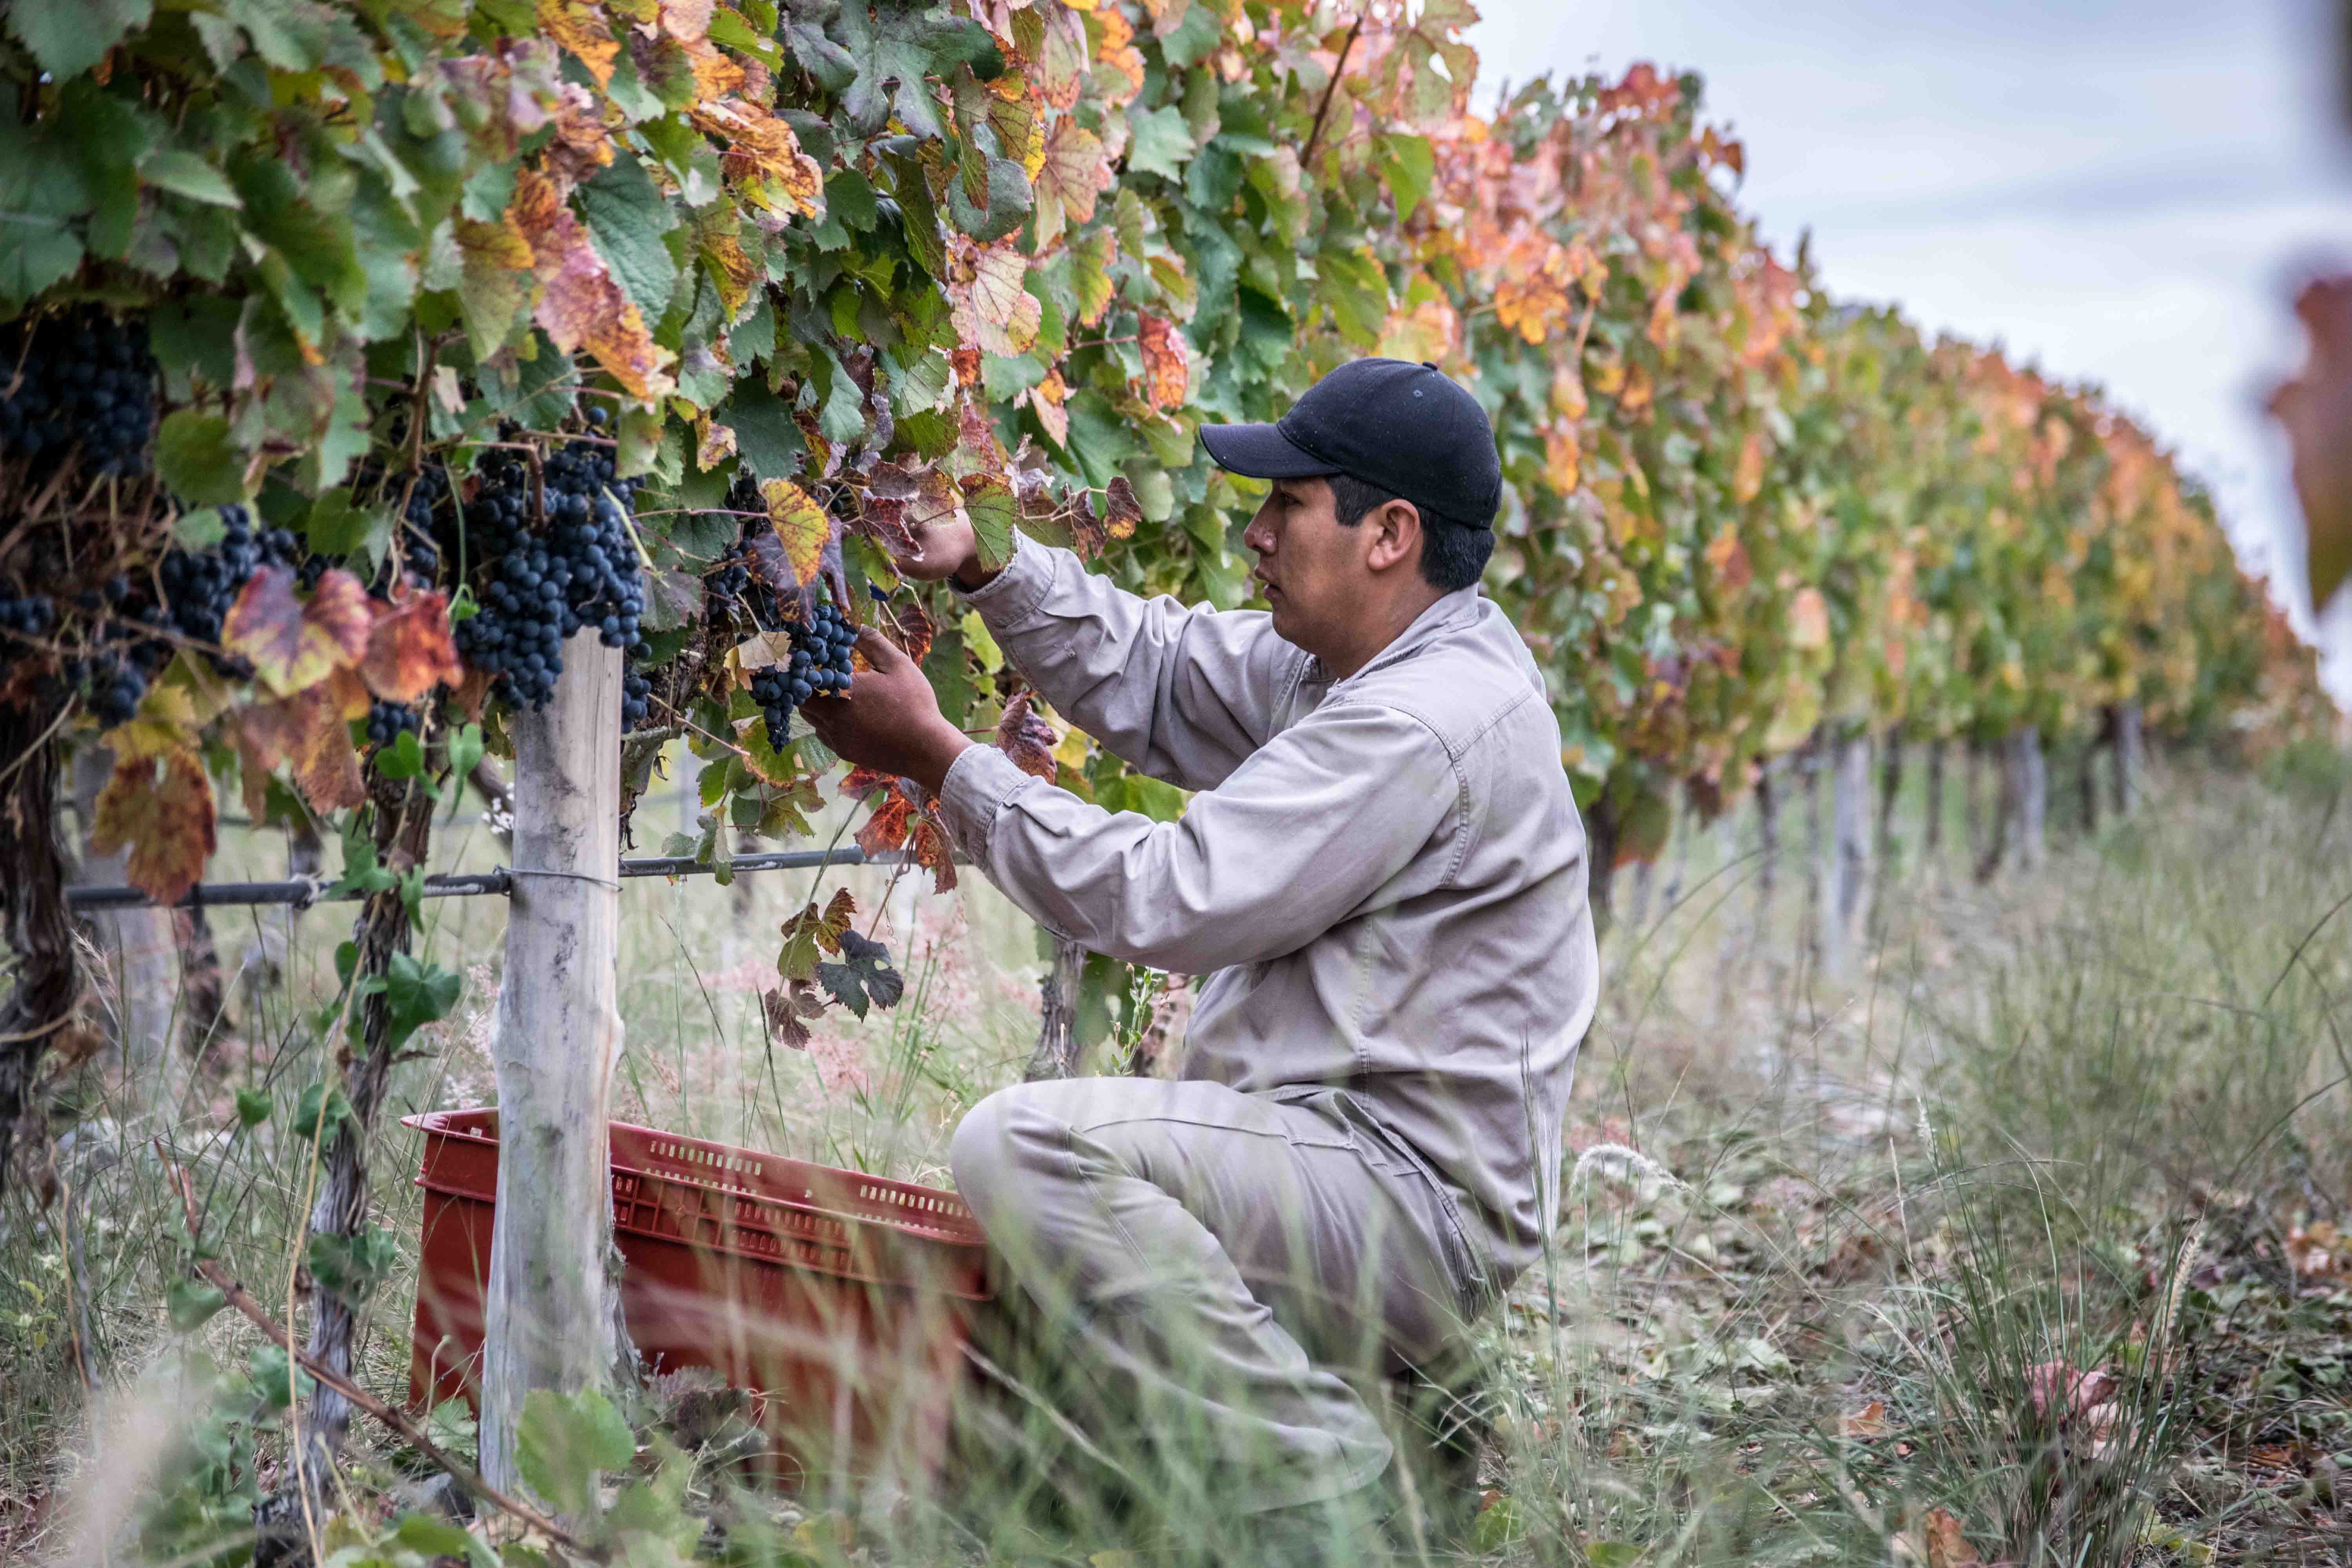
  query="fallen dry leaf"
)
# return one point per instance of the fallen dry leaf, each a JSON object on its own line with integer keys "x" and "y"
{"x": 1944, "y": 1544}
{"x": 1870, "y": 1421}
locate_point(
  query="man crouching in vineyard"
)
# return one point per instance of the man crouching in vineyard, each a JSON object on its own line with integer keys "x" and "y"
{"x": 1385, "y": 873}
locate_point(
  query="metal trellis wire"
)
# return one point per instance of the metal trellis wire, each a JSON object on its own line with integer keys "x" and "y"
{"x": 303, "y": 892}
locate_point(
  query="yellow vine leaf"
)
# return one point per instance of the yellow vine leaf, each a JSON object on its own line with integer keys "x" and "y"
{"x": 802, "y": 526}
{"x": 161, "y": 809}
{"x": 580, "y": 305}
{"x": 585, "y": 31}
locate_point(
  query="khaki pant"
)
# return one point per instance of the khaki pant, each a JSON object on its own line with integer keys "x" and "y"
{"x": 1225, "y": 1276}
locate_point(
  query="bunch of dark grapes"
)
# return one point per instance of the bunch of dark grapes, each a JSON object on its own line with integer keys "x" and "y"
{"x": 27, "y": 616}
{"x": 820, "y": 663}
{"x": 420, "y": 554}
{"x": 636, "y": 698}
{"x": 78, "y": 379}
{"x": 535, "y": 590}
{"x": 200, "y": 587}
{"x": 387, "y": 722}
{"x": 730, "y": 589}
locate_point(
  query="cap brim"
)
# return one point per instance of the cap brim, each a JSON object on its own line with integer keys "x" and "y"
{"x": 1261, "y": 452}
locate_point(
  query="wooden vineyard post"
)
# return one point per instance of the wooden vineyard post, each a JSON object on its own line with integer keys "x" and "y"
{"x": 551, "y": 1306}
{"x": 1932, "y": 842}
{"x": 1847, "y": 866}
{"x": 1057, "y": 1023}
{"x": 2129, "y": 755}
{"x": 2032, "y": 767}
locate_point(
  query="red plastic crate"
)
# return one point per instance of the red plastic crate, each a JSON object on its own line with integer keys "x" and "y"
{"x": 839, "y": 1299}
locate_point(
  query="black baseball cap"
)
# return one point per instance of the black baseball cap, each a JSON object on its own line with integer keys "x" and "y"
{"x": 1402, "y": 426}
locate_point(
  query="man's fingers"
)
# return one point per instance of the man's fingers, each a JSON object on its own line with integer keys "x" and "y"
{"x": 880, "y": 651}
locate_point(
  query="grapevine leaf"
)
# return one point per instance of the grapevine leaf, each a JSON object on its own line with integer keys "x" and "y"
{"x": 810, "y": 933}
{"x": 834, "y": 67}
{"x": 1809, "y": 620}
{"x": 865, "y": 975}
{"x": 192, "y": 1303}
{"x": 1028, "y": 739}
{"x": 409, "y": 650}
{"x": 627, "y": 217}
{"x": 1161, "y": 143}
{"x": 781, "y": 1011}
{"x": 802, "y": 527}
{"x": 673, "y": 599}
{"x": 895, "y": 49}
{"x": 1167, "y": 361}
{"x": 1009, "y": 198}
{"x": 580, "y": 306}
{"x": 69, "y": 38}
{"x": 1091, "y": 255}
{"x": 989, "y": 502}
{"x": 1407, "y": 166}
{"x": 306, "y": 730}
{"x": 1073, "y": 172}
{"x": 293, "y": 645}
{"x": 765, "y": 436}
{"x": 196, "y": 456}
{"x": 184, "y": 175}
{"x": 161, "y": 809}
{"x": 994, "y": 310}
{"x": 565, "y": 1442}
{"x": 1121, "y": 510}
{"x": 585, "y": 31}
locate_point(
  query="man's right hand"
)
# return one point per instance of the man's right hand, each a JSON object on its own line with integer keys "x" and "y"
{"x": 947, "y": 548}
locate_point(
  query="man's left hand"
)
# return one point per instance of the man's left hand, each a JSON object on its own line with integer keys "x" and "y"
{"x": 890, "y": 722}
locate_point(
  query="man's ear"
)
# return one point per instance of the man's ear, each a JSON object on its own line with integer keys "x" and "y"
{"x": 1396, "y": 536}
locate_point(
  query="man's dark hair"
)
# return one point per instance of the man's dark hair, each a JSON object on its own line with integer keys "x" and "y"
{"x": 1453, "y": 554}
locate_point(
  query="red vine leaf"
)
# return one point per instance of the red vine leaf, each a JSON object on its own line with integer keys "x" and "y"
{"x": 899, "y": 823}
{"x": 161, "y": 809}
{"x": 409, "y": 651}
{"x": 1167, "y": 361}
{"x": 787, "y": 1011}
{"x": 1028, "y": 739}
{"x": 306, "y": 732}
{"x": 1126, "y": 512}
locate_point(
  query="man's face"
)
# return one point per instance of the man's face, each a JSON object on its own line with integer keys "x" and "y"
{"x": 1311, "y": 567}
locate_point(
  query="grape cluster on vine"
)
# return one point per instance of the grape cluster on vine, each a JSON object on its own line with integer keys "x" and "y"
{"x": 419, "y": 551}
{"x": 190, "y": 595}
{"x": 79, "y": 379}
{"x": 820, "y": 663}
{"x": 27, "y": 614}
{"x": 636, "y": 698}
{"x": 536, "y": 589}
{"x": 387, "y": 722}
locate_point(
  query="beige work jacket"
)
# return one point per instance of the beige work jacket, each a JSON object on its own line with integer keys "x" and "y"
{"x": 1383, "y": 878}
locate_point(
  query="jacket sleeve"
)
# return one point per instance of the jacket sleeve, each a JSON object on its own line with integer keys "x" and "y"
{"x": 1181, "y": 694}
{"x": 1302, "y": 835}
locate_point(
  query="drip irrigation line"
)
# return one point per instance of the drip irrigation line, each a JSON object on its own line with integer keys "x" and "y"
{"x": 304, "y": 892}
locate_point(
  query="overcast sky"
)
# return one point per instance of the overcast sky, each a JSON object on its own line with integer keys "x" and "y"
{"x": 2120, "y": 190}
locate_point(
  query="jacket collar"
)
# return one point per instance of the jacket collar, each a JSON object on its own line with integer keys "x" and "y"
{"x": 1454, "y": 610}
